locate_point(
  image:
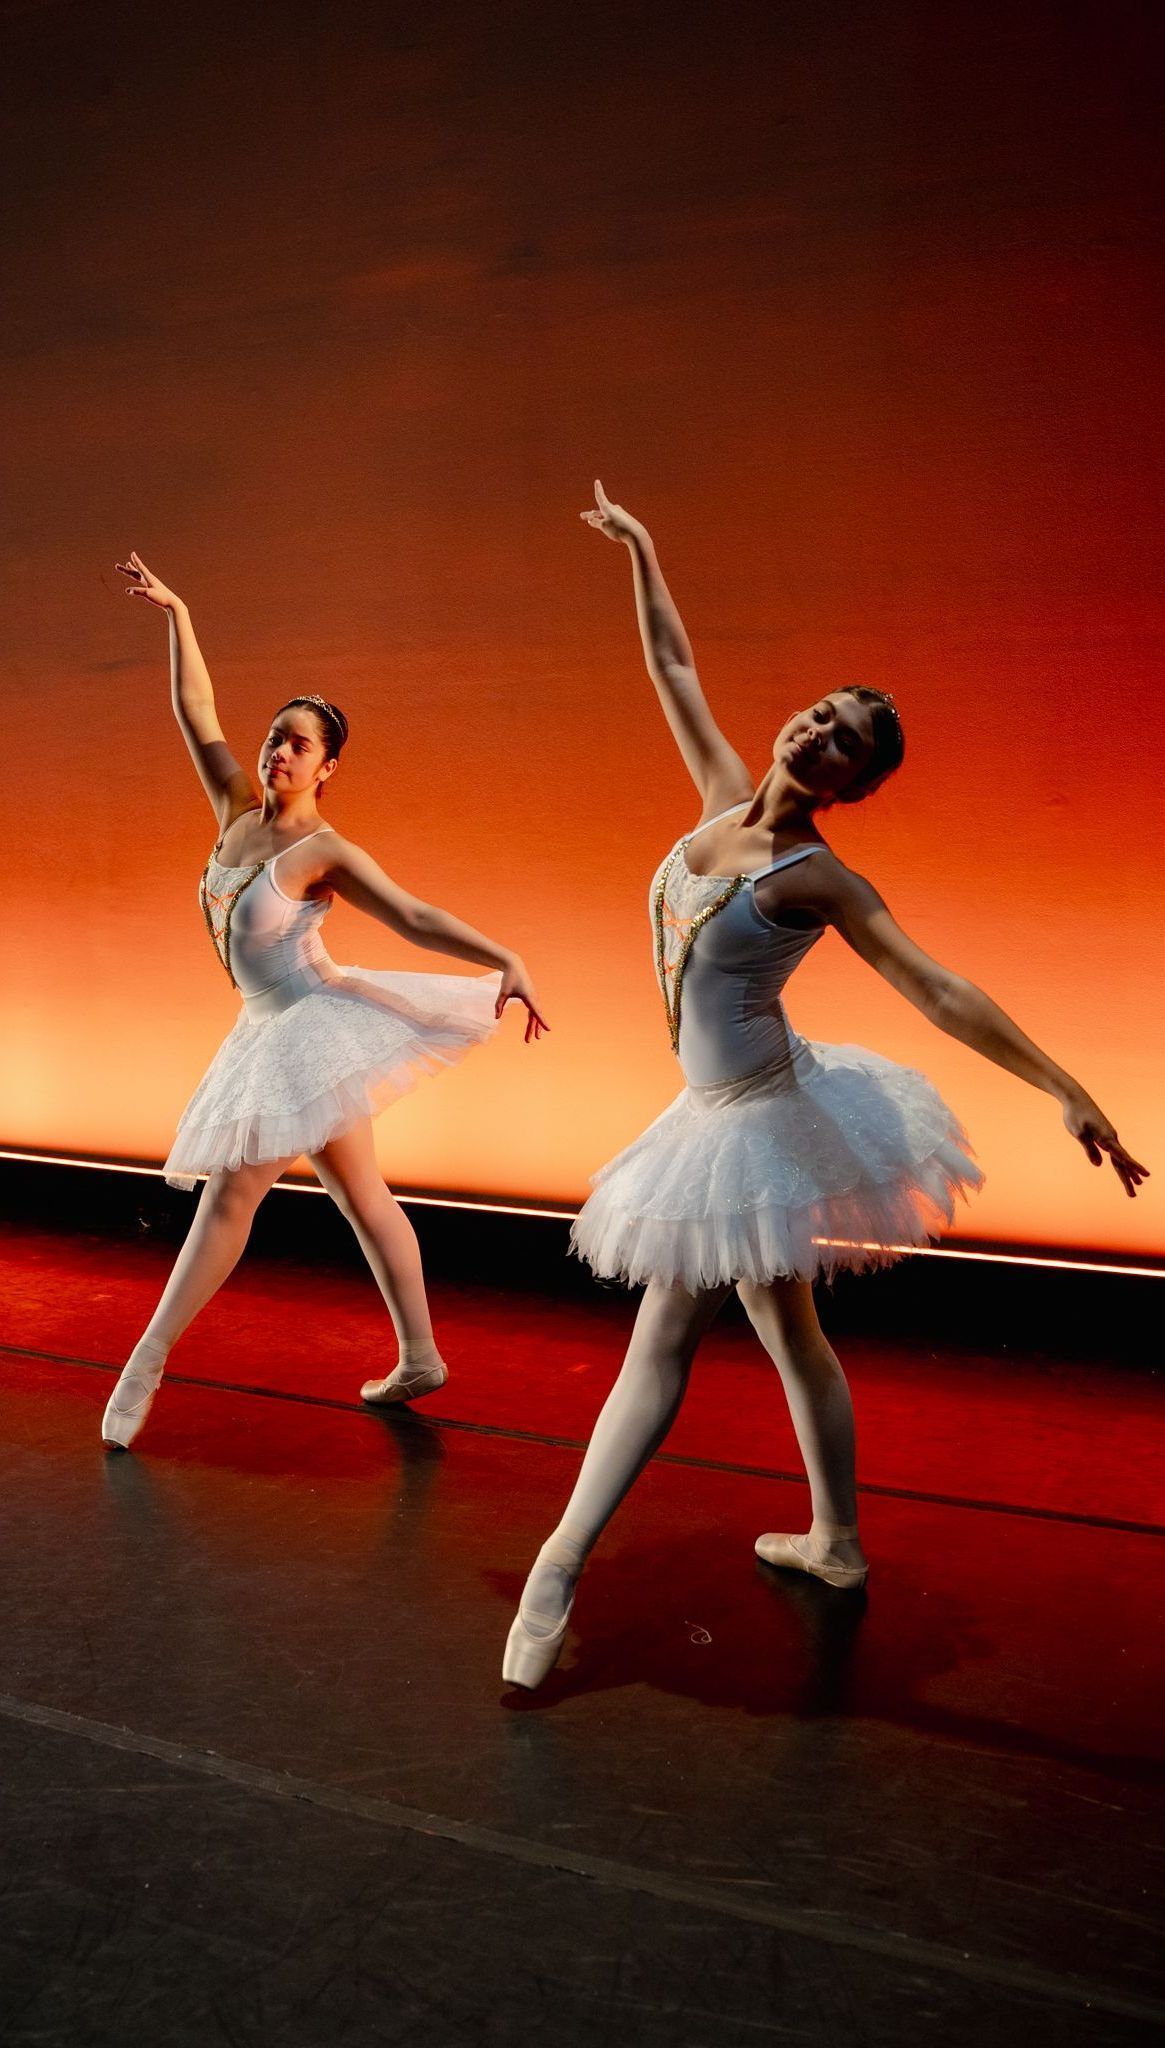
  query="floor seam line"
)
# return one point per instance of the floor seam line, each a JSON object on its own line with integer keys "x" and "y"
{"x": 920, "y": 1953}
{"x": 685, "y": 1461}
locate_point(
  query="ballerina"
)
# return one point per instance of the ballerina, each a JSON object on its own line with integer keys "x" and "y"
{"x": 318, "y": 1049}
{"x": 781, "y": 1159}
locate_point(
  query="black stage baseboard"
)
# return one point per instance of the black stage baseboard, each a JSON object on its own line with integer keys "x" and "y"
{"x": 1038, "y": 1311}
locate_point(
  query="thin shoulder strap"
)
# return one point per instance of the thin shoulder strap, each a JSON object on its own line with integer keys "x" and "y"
{"x": 299, "y": 842}
{"x": 787, "y": 860}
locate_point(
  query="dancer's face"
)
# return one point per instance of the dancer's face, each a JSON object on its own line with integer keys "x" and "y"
{"x": 294, "y": 755}
{"x": 825, "y": 748}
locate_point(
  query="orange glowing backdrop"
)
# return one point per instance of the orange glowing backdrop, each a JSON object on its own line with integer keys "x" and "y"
{"x": 335, "y": 313}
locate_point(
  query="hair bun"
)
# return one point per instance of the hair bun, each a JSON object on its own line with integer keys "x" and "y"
{"x": 328, "y": 711}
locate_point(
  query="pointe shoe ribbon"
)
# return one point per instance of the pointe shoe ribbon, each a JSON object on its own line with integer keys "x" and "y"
{"x": 786, "y": 1554}
{"x": 123, "y": 1419}
{"x": 530, "y": 1657}
{"x": 404, "y": 1383}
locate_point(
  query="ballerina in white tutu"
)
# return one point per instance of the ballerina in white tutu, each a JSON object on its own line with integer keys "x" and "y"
{"x": 781, "y": 1159}
{"x": 318, "y": 1049}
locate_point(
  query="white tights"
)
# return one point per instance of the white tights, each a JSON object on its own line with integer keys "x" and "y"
{"x": 222, "y": 1223}
{"x": 646, "y": 1398}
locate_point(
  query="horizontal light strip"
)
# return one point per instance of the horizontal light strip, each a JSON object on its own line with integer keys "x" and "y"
{"x": 288, "y": 1187}
{"x": 906, "y": 1251}
{"x": 941, "y": 1251}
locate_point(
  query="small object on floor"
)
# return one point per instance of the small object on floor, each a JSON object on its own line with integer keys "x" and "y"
{"x": 817, "y": 1554}
{"x": 404, "y": 1383}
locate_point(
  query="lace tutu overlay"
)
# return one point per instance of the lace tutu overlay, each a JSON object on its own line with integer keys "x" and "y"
{"x": 835, "y": 1160}
{"x": 317, "y": 1053}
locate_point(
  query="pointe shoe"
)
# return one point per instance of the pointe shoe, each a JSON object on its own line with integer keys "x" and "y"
{"x": 785, "y": 1553}
{"x": 404, "y": 1383}
{"x": 530, "y": 1658}
{"x": 129, "y": 1404}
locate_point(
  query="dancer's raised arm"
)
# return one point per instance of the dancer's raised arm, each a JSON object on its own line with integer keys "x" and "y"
{"x": 850, "y": 903}
{"x": 714, "y": 766}
{"x": 228, "y": 787}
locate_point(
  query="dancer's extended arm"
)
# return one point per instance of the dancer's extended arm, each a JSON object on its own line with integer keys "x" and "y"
{"x": 357, "y": 878}
{"x": 192, "y": 694}
{"x": 955, "y": 1005}
{"x": 714, "y": 766}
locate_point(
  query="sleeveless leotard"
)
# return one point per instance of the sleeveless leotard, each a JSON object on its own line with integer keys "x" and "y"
{"x": 317, "y": 1046}
{"x": 269, "y": 943}
{"x": 782, "y": 1158}
{"x": 722, "y": 966}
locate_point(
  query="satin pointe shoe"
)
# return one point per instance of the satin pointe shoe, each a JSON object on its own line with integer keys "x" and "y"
{"x": 404, "y": 1383}
{"x": 530, "y": 1657}
{"x": 796, "y": 1554}
{"x": 129, "y": 1404}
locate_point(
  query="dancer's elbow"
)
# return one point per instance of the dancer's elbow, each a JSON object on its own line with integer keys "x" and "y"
{"x": 951, "y": 1002}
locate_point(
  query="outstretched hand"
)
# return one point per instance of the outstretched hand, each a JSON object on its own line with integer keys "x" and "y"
{"x": 518, "y": 987}
{"x": 1091, "y": 1128}
{"x": 143, "y": 583}
{"x": 610, "y": 519}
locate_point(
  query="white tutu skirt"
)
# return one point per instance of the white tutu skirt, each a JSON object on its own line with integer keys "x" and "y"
{"x": 840, "y": 1159}
{"x": 284, "y": 1083}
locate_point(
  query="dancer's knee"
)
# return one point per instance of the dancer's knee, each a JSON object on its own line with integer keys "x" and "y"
{"x": 785, "y": 1319}
{"x": 233, "y": 1197}
{"x": 648, "y": 1371}
{"x": 808, "y": 1363}
{"x": 363, "y": 1203}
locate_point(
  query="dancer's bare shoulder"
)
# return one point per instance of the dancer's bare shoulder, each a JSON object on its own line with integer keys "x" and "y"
{"x": 823, "y": 889}
{"x": 348, "y": 870}
{"x": 815, "y": 888}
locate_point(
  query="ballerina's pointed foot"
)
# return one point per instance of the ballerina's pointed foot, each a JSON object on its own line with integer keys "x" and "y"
{"x": 835, "y": 1557}
{"x": 538, "y": 1630}
{"x": 530, "y": 1658}
{"x": 405, "y": 1383}
{"x": 130, "y": 1402}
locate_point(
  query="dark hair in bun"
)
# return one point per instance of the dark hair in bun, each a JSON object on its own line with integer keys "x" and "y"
{"x": 333, "y": 724}
{"x": 888, "y": 737}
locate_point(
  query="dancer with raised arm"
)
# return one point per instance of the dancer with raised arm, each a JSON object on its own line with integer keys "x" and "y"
{"x": 318, "y": 1049}
{"x": 781, "y": 1159}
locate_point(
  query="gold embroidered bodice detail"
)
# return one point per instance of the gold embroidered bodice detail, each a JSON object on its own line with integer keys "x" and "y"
{"x": 677, "y": 929}
{"x": 218, "y": 905}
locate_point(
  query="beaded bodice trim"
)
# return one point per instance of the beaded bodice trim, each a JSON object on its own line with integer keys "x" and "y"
{"x": 676, "y": 935}
{"x": 218, "y": 906}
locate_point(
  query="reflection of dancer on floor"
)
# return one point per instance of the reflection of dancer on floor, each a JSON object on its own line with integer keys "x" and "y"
{"x": 318, "y": 1048}
{"x": 780, "y": 1159}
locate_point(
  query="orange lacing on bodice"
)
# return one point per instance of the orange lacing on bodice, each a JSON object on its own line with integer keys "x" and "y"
{"x": 218, "y": 907}
{"x": 675, "y": 935}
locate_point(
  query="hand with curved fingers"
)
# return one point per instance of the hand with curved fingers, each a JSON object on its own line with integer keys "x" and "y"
{"x": 1091, "y": 1128}
{"x": 143, "y": 583}
{"x": 610, "y": 519}
{"x": 518, "y": 987}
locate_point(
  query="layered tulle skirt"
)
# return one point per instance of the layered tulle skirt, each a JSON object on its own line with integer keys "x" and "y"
{"x": 838, "y": 1159}
{"x": 303, "y": 1065}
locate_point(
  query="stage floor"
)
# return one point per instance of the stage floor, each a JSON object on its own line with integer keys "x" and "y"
{"x": 262, "y": 1782}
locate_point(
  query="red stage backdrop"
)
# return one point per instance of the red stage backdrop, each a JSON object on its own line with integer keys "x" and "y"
{"x": 334, "y": 314}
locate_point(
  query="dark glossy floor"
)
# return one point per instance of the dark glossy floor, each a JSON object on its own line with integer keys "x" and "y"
{"x": 261, "y": 1780}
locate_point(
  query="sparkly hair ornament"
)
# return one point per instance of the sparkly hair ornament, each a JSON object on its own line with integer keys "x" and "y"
{"x": 335, "y": 722}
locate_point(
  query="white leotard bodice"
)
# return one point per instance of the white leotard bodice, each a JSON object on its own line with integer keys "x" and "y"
{"x": 269, "y": 943}
{"x": 722, "y": 967}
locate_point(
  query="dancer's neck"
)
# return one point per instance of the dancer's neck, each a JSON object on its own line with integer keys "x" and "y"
{"x": 781, "y": 808}
{"x": 295, "y": 816}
